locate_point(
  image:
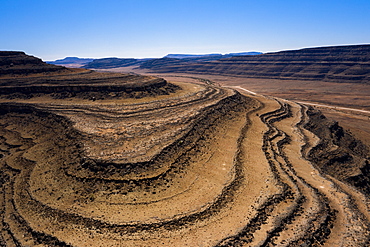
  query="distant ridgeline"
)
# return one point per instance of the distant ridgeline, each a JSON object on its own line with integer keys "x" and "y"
{"x": 24, "y": 76}
{"x": 71, "y": 60}
{"x": 336, "y": 64}
{"x": 18, "y": 63}
{"x": 114, "y": 62}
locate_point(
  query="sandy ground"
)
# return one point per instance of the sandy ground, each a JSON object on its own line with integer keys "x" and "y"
{"x": 333, "y": 95}
{"x": 202, "y": 166}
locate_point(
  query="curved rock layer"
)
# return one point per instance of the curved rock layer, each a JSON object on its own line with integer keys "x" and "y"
{"x": 204, "y": 166}
{"x": 24, "y": 76}
{"x": 85, "y": 84}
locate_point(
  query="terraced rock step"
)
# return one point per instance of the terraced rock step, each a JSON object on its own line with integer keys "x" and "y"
{"x": 198, "y": 165}
{"x": 13, "y": 64}
{"x": 343, "y": 64}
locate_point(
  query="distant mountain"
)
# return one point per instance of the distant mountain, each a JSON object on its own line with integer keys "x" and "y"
{"x": 109, "y": 63}
{"x": 250, "y": 53}
{"x": 335, "y": 64}
{"x": 187, "y": 59}
{"x": 166, "y": 61}
{"x": 73, "y": 62}
{"x": 113, "y": 62}
{"x": 162, "y": 62}
{"x": 181, "y": 56}
{"x": 68, "y": 60}
{"x": 215, "y": 55}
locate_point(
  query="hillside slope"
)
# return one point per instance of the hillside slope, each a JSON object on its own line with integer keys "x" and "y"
{"x": 71, "y": 62}
{"x": 153, "y": 63}
{"x": 334, "y": 64}
{"x": 26, "y": 76}
{"x": 113, "y": 62}
{"x": 18, "y": 63}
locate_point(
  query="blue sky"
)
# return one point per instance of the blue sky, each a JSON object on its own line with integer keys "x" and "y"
{"x": 52, "y": 29}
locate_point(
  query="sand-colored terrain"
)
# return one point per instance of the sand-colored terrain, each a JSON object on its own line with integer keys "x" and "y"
{"x": 329, "y": 97}
{"x": 105, "y": 159}
{"x": 201, "y": 166}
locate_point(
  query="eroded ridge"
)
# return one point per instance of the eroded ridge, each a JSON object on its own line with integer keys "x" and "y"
{"x": 311, "y": 208}
{"x": 198, "y": 166}
{"x": 170, "y": 173}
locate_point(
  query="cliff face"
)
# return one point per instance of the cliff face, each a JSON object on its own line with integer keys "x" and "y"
{"x": 335, "y": 64}
{"x": 18, "y": 63}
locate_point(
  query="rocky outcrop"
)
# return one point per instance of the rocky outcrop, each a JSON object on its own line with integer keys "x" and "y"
{"x": 15, "y": 63}
{"x": 338, "y": 153}
{"x": 127, "y": 90}
{"x": 204, "y": 166}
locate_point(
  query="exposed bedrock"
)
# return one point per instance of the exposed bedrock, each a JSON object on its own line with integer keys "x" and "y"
{"x": 14, "y": 63}
{"x": 96, "y": 86}
{"x": 198, "y": 166}
{"x": 338, "y": 153}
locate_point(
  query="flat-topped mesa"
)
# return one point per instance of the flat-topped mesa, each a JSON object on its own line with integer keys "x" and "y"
{"x": 348, "y": 64}
{"x": 15, "y": 63}
{"x": 27, "y": 76}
